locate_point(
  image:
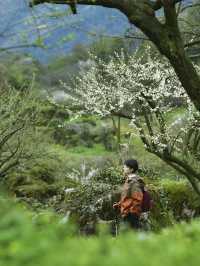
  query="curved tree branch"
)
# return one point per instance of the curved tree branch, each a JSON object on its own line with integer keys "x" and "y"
{"x": 106, "y": 3}
{"x": 5, "y": 49}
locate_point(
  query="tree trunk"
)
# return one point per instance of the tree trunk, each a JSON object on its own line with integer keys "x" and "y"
{"x": 119, "y": 131}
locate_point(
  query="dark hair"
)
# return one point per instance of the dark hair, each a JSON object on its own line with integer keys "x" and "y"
{"x": 131, "y": 163}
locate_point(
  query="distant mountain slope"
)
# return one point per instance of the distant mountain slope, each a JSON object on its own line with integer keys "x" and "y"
{"x": 59, "y": 32}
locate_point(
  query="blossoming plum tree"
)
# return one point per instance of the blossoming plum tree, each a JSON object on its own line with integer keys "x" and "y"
{"x": 143, "y": 90}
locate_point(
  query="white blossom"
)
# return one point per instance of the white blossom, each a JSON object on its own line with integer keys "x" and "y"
{"x": 145, "y": 88}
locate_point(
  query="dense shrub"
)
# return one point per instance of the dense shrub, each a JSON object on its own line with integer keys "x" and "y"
{"x": 110, "y": 175}
{"x": 40, "y": 181}
{"x": 174, "y": 201}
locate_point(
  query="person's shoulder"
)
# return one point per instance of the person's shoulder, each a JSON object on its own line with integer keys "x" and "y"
{"x": 133, "y": 178}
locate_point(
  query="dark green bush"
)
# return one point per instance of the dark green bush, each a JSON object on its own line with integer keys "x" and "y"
{"x": 52, "y": 115}
{"x": 105, "y": 136}
{"x": 74, "y": 134}
{"x": 84, "y": 132}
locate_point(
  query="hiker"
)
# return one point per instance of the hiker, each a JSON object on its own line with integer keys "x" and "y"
{"x": 132, "y": 201}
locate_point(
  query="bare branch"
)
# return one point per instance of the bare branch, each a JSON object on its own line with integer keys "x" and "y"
{"x": 10, "y": 166}
{"x": 106, "y": 3}
{"x": 126, "y": 36}
{"x": 20, "y": 47}
{"x": 7, "y": 137}
{"x": 189, "y": 44}
{"x": 189, "y": 6}
{"x": 160, "y": 3}
{"x": 13, "y": 153}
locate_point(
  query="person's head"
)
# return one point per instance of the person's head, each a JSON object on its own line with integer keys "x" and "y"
{"x": 130, "y": 166}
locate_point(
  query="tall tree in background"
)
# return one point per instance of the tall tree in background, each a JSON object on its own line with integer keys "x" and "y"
{"x": 165, "y": 34}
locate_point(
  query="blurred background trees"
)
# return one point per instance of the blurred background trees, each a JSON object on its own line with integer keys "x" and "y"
{"x": 65, "y": 157}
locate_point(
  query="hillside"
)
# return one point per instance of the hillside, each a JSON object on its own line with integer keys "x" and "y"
{"x": 55, "y": 27}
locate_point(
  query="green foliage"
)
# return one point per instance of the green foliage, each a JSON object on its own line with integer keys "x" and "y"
{"x": 21, "y": 230}
{"x": 44, "y": 240}
{"x": 106, "y": 47}
{"x": 20, "y": 70}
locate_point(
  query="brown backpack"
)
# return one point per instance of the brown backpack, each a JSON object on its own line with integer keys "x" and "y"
{"x": 147, "y": 202}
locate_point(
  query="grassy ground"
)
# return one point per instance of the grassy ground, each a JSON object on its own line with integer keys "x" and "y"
{"x": 76, "y": 156}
